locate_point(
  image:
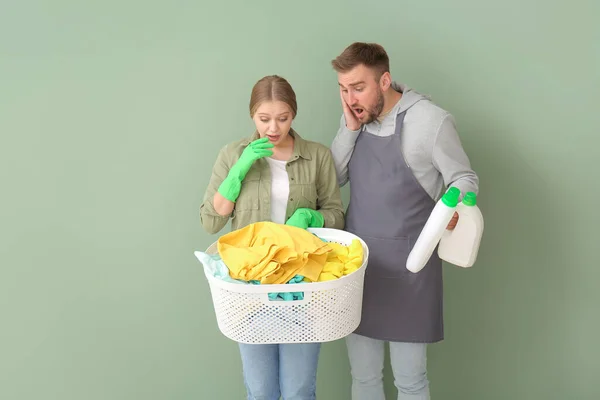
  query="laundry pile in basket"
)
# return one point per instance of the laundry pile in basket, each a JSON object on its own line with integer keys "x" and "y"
{"x": 271, "y": 253}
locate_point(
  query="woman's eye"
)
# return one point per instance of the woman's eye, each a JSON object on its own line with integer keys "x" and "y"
{"x": 283, "y": 120}
{"x": 264, "y": 120}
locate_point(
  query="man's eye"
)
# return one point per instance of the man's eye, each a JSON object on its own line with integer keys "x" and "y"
{"x": 359, "y": 89}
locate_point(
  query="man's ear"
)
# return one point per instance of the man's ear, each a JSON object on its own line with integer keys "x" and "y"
{"x": 385, "y": 81}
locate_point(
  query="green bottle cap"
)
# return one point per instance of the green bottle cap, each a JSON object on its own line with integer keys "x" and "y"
{"x": 470, "y": 199}
{"x": 450, "y": 198}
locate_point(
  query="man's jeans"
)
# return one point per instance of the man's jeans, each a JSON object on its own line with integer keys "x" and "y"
{"x": 409, "y": 364}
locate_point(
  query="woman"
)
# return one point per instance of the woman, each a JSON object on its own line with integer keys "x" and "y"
{"x": 274, "y": 175}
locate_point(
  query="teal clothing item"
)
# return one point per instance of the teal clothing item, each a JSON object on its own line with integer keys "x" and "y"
{"x": 287, "y": 296}
{"x": 215, "y": 266}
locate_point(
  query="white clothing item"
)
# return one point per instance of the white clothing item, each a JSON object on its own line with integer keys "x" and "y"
{"x": 280, "y": 190}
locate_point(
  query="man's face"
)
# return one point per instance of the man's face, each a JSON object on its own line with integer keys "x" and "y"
{"x": 361, "y": 90}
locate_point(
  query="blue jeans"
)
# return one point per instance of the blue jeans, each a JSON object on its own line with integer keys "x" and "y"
{"x": 286, "y": 370}
{"x": 409, "y": 365}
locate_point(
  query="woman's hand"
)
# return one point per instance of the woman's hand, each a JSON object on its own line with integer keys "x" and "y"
{"x": 305, "y": 218}
{"x": 254, "y": 151}
{"x": 231, "y": 186}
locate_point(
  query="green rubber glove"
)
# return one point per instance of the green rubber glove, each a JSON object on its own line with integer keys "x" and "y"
{"x": 306, "y": 218}
{"x": 231, "y": 186}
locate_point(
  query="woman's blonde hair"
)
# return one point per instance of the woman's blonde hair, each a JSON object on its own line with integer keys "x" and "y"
{"x": 273, "y": 88}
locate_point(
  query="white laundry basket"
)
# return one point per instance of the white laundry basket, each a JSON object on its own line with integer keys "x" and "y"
{"x": 329, "y": 311}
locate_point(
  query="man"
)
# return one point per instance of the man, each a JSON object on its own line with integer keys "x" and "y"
{"x": 398, "y": 150}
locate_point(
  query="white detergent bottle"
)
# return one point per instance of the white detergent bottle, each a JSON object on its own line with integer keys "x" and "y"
{"x": 433, "y": 230}
{"x": 461, "y": 245}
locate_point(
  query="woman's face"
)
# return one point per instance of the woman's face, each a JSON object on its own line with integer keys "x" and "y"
{"x": 273, "y": 119}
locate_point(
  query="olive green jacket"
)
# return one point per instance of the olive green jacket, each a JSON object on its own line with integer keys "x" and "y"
{"x": 313, "y": 184}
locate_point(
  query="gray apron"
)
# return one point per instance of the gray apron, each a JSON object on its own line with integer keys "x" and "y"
{"x": 388, "y": 209}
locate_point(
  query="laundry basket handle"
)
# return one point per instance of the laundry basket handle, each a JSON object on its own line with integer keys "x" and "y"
{"x": 279, "y": 302}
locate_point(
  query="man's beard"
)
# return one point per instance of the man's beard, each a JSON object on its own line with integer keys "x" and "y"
{"x": 375, "y": 112}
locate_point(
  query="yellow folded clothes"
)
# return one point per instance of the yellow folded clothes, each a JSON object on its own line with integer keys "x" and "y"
{"x": 341, "y": 261}
{"x": 273, "y": 253}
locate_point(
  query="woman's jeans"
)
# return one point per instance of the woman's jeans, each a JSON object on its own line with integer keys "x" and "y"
{"x": 286, "y": 370}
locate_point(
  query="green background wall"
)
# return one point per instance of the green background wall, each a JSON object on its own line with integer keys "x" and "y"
{"x": 112, "y": 113}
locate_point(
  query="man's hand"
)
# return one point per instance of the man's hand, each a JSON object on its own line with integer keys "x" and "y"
{"x": 453, "y": 222}
{"x": 352, "y": 122}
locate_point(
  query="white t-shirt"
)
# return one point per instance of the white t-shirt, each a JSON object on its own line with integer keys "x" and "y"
{"x": 280, "y": 190}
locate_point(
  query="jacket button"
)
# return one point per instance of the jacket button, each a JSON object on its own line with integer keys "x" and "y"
{"x": 291, "y": 199}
